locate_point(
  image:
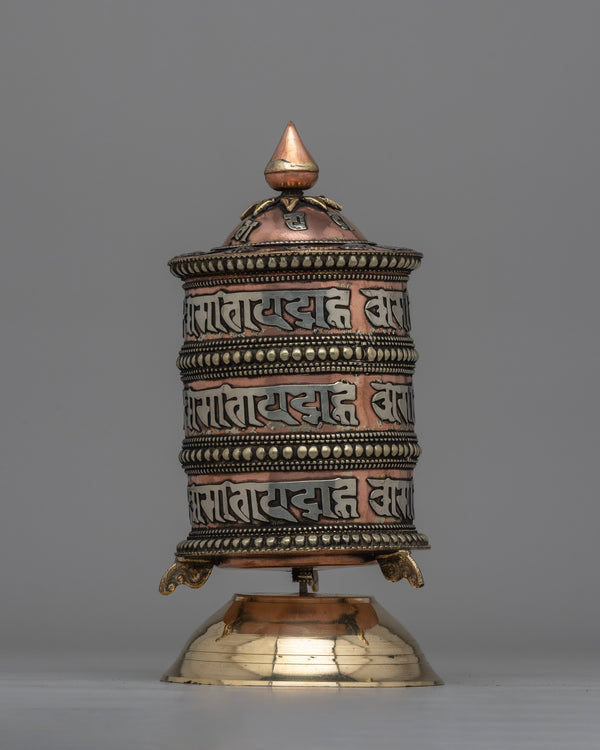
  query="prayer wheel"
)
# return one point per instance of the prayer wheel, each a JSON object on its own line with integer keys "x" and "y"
{"x": 299, "y": 442}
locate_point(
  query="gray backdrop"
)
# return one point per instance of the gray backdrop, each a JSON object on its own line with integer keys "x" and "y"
{"x": 133, "y": 131}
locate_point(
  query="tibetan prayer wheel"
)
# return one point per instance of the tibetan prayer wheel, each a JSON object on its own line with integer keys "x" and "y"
{"x": 299, "y": 443}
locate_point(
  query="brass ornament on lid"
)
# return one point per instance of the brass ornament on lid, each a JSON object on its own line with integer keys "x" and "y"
{"x": 291, "y": 167}
{"x": 299, "y": 444}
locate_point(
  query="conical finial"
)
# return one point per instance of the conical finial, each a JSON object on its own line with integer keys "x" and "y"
{"x": 291, "y": 167}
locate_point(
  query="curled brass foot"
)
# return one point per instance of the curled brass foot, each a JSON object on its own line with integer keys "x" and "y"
{"x": 400, "y": 565}
{"x": 192, "y": 574}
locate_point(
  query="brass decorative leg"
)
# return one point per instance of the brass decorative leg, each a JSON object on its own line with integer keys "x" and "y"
{"x": 193, "y": 574}
{"x": 400, "y": 565}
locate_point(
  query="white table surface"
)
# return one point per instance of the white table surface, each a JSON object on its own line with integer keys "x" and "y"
{"x": 117, "y": 703}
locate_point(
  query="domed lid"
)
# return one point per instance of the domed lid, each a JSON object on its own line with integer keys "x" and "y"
{"x": 277, "y": 229}
{"x": 292, "y": 216}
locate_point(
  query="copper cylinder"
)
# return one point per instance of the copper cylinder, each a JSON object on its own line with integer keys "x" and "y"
{"x": 297, "y": 367}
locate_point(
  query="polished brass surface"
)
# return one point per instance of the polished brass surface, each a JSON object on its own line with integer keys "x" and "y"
{"x": 291, "y": 167}
{"x": 401, "y": 565}
{"x": 287, "y": 641}
{"x": 192, "y": 573}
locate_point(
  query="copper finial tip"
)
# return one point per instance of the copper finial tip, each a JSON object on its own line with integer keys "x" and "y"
{"x": 291, "y": 167}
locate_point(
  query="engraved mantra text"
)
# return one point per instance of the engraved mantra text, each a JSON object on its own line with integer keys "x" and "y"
{"x": 261, "y": 502}
{"x": 286, "y": 309}
{"x": 392, "y": 402}
{"x": 225, "y": 407}
{"x": 387, "y": 309}
{"x": 392, "y": 498}
{"x": 234, "y": 312}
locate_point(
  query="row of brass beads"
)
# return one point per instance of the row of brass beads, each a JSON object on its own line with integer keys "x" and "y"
{"x": 367, "y": 537}
{"x": 186, "y": 266}
{"x": 201, "y": 455}
{"x": 371, "y": 355}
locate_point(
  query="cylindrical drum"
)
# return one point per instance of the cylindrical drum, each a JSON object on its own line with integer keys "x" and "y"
{"x": 297, "y": 368}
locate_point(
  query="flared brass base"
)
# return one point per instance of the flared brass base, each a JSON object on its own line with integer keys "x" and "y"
{"x": 287, "y": 640}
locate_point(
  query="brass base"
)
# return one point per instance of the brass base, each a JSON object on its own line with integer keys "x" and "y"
{"x": 292, "y": 640}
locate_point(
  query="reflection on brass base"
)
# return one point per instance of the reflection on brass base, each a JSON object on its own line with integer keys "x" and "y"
{"x": 286, "y": 640}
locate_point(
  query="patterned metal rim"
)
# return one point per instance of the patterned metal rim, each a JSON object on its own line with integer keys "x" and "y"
{"x": 325, "y": 453}
{"x": 342, "y": 339}
{"x": 289, "y": 276}
{"x": 272, "y": 356}
{"x": 191, "y": 374}
{"x": 335, "y": 244}
{"x": 194, "y": 465}
{"x": 330, "y": 527}
{"x": 295, "y": 438}
{"x": 333, "y": 538}
{"x": 303, "y": 259}
{"x": 353, "y": 244}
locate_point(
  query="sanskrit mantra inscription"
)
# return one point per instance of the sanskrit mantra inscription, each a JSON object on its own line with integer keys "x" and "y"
{"x": 392, "y": 498}
{"x": 261, "y": 502}
{"x": 234, "y": 312}
{"x": 225, "y": 406}
{"x": 387, "y": 308}
{"x": 286, "y": 309}
{"x": 392, "y": 402}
